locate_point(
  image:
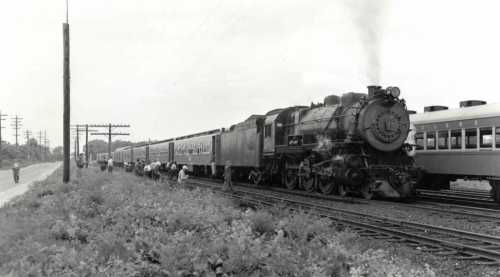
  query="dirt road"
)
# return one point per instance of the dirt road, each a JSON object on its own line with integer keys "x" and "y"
{"x": 28, "y": 175}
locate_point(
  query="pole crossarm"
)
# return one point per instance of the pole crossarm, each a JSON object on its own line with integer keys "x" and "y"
{"x": 113, "y": 134}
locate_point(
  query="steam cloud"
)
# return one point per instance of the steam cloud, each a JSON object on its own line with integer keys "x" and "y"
{"x": 368, "y": 18}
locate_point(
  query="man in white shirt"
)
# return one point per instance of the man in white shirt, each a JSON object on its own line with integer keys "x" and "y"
{"x": 182, "y": 175}
{"x": 110, "y": 165}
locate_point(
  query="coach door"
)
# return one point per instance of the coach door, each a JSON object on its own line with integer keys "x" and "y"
{"x": 171, "y": 152}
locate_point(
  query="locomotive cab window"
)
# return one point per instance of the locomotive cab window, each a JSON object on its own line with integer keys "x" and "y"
{"x": 443, "y": 139}
{"x": 497, "y": 137}
{"x": 419, "y": 140}
{"x": 485, "y": 137}
{"x": 471, "y": 138}
{"x": 456, "y": 139}
{"x": 267, "y": 130}
{"x": 431, "y": 141}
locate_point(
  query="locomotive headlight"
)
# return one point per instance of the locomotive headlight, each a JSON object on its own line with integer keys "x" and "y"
{"x": 394, "y": 91}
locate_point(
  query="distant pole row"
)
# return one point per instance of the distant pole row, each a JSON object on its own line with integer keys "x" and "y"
{"x": 1, "y": 127}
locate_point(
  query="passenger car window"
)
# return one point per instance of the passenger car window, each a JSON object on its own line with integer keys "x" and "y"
{"x": 497, "y": 137}
{"x": 419, "y": 140}
{"x": 485, "y": 137}
{"x": 471, "y": 138}
{"x": 431, "y": 141}
{"x": 456, "y": 139}
{"x": 443, "y": 139}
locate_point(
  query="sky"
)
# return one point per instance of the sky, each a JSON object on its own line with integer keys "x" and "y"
{"x": 171, "y": 68}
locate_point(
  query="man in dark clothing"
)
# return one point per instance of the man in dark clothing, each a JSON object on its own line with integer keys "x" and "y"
{"x": 228, "y": 182}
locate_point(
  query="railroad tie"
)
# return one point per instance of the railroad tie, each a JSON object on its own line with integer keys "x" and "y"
{"x": 487, "y": 262}
{"x": 447, "y": 253}
{"x": 472, "y": 257}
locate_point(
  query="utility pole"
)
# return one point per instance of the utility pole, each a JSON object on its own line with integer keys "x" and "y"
{"x": 40, "y": 144}
{"x": 66, "y": 86}
{"x": 1, "y": 127}
{"x": 45, "y": 141}
{"x": 82, "y": 128}
{"x": 86, "y": 145}
{"x": 16, "y": 125}
{"x": 27, "y": 135}
{"x": 109, "y": 133}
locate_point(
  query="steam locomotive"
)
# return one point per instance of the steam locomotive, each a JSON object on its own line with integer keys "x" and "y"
{"x": 353, "y": 144}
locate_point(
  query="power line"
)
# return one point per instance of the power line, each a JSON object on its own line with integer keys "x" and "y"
{"x": 27, "y": 135}
{"x": 109, "y": 133}
{"x": 1, "y": 127}
{"x": 16, "y": 125}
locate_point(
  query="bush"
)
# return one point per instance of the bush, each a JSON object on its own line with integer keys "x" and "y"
{"x": 120, "y": 225}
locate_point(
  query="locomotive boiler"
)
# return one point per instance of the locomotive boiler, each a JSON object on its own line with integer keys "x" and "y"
{"x": 350, "y": 144}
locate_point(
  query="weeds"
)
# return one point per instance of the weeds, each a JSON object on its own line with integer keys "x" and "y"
{"x": 119, "y": 225}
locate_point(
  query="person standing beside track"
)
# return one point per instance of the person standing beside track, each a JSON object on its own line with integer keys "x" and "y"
{"x": 182, "y": 175}
{"x": 110, "y": 165}
{"x": 228, "y": 182}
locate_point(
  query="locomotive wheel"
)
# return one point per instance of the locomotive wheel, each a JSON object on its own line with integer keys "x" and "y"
{"x": 291, "y": 181}
{"x": 308, "y": 184}
{"x": 342, "y": 190}
{"x": 366, "y": 192}
{"x": 326, "y": 185}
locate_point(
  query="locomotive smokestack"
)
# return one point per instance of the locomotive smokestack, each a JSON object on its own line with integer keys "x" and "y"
{"x": 373, "y": 90}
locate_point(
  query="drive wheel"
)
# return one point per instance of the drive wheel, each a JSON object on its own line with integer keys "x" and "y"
{"x": 326, "y": 185}
{"x": 308, "y": 184}
{"x": 342, "y": 190}
{"x": 291, "y": 180}
{"x": 366, "y": 192}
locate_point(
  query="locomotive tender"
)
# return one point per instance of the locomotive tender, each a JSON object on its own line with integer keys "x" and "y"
{"x": 349, "y": 144}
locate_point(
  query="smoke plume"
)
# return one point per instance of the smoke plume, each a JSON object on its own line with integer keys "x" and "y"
{"x": 368, "y": 17}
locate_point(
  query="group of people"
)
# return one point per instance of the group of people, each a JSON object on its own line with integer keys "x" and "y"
{"x": 153, "y": 170}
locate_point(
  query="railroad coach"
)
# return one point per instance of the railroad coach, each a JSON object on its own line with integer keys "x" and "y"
{"x": 141, "y": 152}
{"x": 196, "y": 151}
{"x": 160, "y": 151}
{"x": 459, "y": 143}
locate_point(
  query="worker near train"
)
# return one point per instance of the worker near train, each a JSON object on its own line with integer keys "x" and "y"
{"x": 155, "y": 170}
{"x": 182, "y": 175}
{"x": 110, "y": 165}
{"x": 173, "y": 170}
{"x": 213, "y": 168}
{"x": 80, "y": 161}
{"x": 228, "y": 182}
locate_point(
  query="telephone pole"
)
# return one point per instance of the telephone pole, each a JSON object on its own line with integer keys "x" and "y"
{"x": 109, "y": 132}
{"x": 66, "y": 86}
{"x": 40, "y": 144}
{"x": 45, "y": 141}
{"x": 1, "y": 127}
{"x": 27, "y": 135}
{"x": 16, "y": 125}
{"x": 82, "y": 128}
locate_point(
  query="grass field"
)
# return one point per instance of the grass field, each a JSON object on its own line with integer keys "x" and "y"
{"x": 119, "y": 225}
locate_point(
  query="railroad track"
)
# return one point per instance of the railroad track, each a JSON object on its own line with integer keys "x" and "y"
{"x": 474, "y": 214}
{"x": 449, "y": 196}
{"x": 483, "y": 249}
